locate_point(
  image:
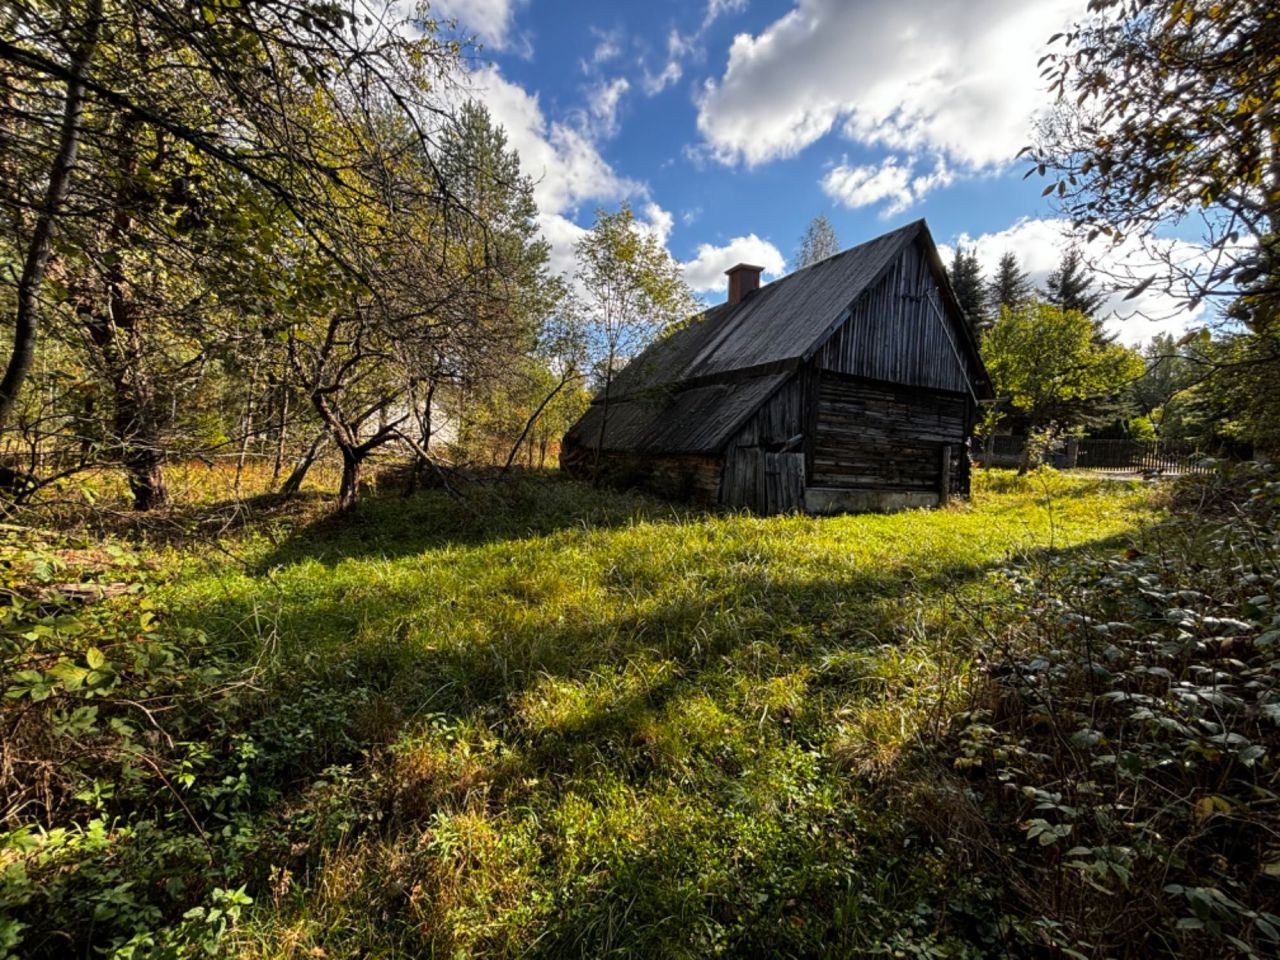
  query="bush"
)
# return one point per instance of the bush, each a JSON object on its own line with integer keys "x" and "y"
{"x": 1119, "y": 767}
{"x": 141, "y": 763}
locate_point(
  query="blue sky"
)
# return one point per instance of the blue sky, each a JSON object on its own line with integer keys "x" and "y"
{"x": 730, "y": 124}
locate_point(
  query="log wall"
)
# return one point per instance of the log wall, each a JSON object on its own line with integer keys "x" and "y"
{"x": 675, "y": 476}
{"x": 878, "y": 436}
{"x": 764, "y": 465}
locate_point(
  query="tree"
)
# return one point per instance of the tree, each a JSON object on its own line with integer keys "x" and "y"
{"x": 966, "y": 280}
{"x": 1009, "y": 289}
{"x": 490, "y": 348}
{"x": 128, "y": 128}
{"x": 1169, "y": 372}
{"x": 1166, "y": 110}
{"x": 1071, "y": 287}
{"x": 633, "y": 290}
{"x": 1047, "y": 365}
{"x": 35, "y": 262}
{"x": 818, "y": 243}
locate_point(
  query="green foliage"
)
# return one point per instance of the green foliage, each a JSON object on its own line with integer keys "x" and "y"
{"x": 1241, "y": 399}
{"x": 970, "y": 288}
{"x": 1123, "y": 748}
{"x": 1009, "y": 289}
{"x": 634, "y": 289}
{"x": 1164, "y": 114}
{"x": 1049, "y": 366}
{"x": 1070, "y": 287}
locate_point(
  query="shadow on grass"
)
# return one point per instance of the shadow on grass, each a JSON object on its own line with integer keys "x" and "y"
{"x": 770, "y": 850}
{"x": 389, "y": 524}
{"x": 796, "y": 866}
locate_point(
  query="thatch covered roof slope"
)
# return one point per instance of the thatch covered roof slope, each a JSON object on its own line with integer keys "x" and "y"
{"x": 663, "y": 402}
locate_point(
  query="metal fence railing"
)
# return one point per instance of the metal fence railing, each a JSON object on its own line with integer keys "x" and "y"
{"x": 1102, "y": 455}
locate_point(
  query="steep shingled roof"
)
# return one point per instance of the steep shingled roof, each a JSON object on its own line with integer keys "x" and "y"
{"x": 664, "y": 401}
{"x": 776, "y": 324}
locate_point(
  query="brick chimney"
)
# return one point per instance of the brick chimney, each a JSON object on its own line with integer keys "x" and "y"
{"x": 742, "y": 280}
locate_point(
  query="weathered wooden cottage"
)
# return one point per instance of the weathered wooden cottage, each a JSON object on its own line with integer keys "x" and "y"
{"x": 849, "y": 385}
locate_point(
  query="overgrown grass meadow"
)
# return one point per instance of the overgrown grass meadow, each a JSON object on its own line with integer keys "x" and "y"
{"x": 547, "y": 721}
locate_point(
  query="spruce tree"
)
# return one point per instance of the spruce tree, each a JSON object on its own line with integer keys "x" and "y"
{"x": 970, "y": 289}
{"x": 1071, "y": 287}
{"x": 1010, "y": 287}
{"x": 818, "y": 243}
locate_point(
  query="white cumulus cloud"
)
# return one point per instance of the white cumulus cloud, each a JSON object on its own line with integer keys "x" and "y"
{"x": 603, "y": 101}
{"x": 705, "y": 272}
{"x": 891, "y": 180}
{"x": 681, "y": 47}
{"x": 489, "y": 21}
{"x": 657, "y": 221}
{"x": 957, "y": 81}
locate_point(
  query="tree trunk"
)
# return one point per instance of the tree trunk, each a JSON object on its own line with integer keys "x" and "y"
{"x": 246, "y": 431}
{"x": 349, "y": 490}
{"x": 118, "y": 336}
{"x": 281, "y": 433}
{"x": 533, "y": 420}
{"x": 137, "y": 431}
{"x": 26, "y": 325}
{"x": 604, "y": 419}
{"x": 293, "y": 483}
{"x": 423, "y": 416}
{"x": 146, "y": 481}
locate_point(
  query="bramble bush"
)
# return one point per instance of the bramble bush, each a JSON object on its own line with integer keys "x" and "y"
{"x": 138, "y": 761}
{"x": 1117, "y": 775}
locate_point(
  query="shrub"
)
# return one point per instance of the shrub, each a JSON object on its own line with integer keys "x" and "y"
{"x": 1121, "y": 759}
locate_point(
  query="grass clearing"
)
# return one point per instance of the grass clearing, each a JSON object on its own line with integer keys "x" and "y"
{"x": 570, "y": 722}
{"x": 630, "y": 728}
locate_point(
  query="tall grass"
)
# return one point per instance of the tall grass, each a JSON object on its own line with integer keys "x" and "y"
{"x": 571, "y": 722}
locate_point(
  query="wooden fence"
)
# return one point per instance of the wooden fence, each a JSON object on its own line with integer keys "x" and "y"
{"x": 1103, "y": 455}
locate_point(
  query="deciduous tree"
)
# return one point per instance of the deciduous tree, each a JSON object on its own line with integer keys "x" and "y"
{"x": 818, "y": 243}
{"x": 1048, "y": 367}
{"x": 633, "y": 290}
{"x": 1168, "y": 110}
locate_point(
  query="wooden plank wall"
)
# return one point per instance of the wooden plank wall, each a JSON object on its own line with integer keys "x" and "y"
{"x": 883, "y": 436}
{"x": 896, "y": 333}
{"x": 751, "y": 478}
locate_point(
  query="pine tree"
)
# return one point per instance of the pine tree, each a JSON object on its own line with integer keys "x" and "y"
{"x": 818, "y": 243}
{"x": 1010, "y": 287}
{"x": 969, "y": 287}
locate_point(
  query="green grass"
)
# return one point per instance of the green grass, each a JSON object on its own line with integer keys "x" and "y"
{"x": 557, "y": 721}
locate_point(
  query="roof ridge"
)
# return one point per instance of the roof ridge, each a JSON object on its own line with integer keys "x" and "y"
{"x": 914, "y": 224}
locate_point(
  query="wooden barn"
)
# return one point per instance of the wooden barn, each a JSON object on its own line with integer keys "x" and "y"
{"x": 850, "y": 385}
